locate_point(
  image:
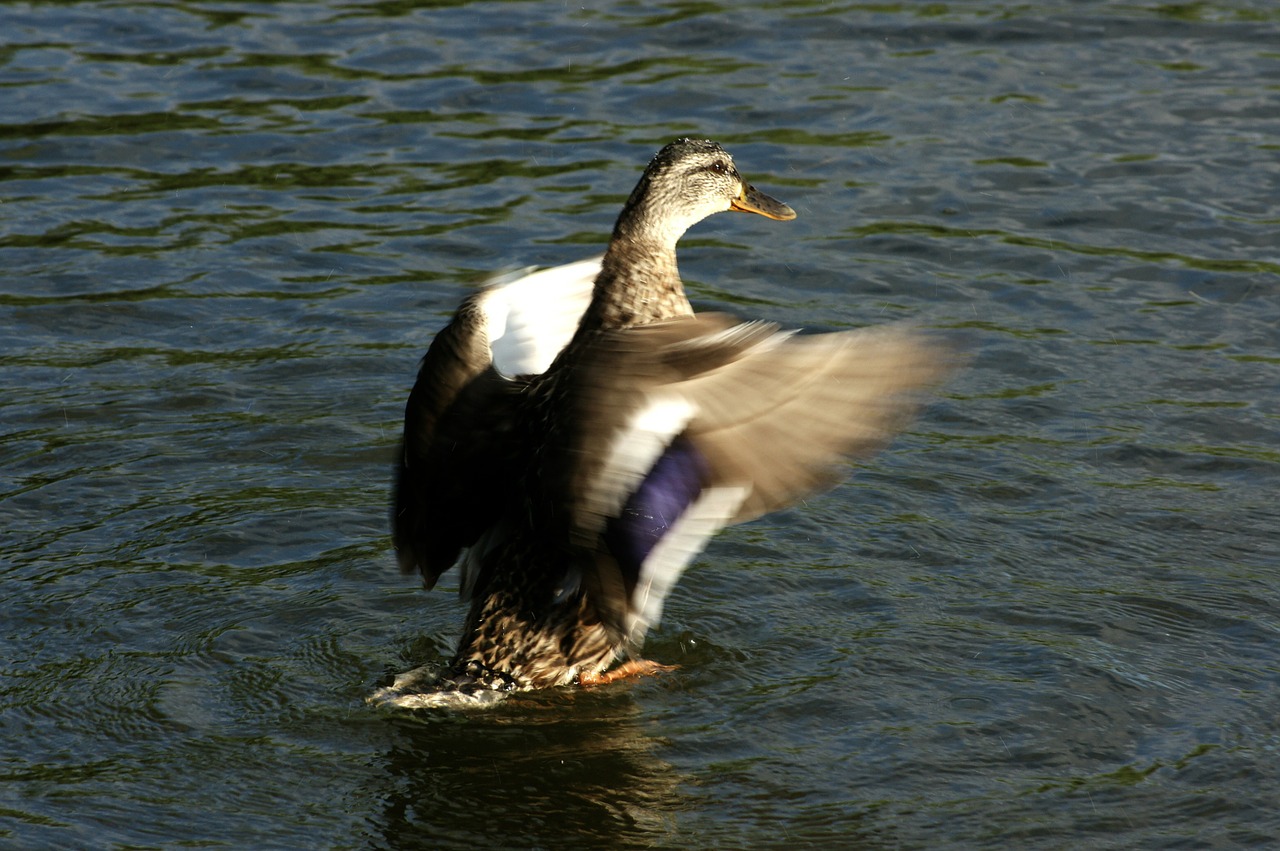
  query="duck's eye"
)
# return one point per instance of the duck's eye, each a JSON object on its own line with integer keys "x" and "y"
{"x": 718, "y": 167}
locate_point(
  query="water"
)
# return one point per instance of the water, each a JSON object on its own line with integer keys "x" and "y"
{"x": 1047, "y": 617}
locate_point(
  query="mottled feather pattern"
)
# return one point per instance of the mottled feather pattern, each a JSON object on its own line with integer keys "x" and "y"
{"x": 581, "y": 492}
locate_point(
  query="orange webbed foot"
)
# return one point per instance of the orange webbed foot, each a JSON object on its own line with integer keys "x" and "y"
{"x": 630, "y": 668}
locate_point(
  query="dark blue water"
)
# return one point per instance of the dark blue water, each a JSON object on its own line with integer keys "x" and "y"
{"x": 1047, "y": 617}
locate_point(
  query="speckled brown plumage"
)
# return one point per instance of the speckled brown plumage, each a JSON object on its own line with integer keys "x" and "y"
{"x": 553, "y": 483}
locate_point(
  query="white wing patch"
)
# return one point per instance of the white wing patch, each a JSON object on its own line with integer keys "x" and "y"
{"x": 529, "y": 320}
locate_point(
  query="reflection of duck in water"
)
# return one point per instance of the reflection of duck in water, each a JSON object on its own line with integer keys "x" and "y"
{"x": 580, "y": 768}
{"x": 581, "y": 443}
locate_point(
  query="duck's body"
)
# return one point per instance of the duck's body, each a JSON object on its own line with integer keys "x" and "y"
{"x": 583, "y": 468}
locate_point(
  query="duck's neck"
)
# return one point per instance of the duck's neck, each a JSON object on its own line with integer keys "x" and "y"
{"x": 638, "y": 283}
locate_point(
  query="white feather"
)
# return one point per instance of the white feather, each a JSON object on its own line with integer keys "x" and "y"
{"x": 529, "y": 320}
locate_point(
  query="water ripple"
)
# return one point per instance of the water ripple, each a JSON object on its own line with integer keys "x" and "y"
{"x": 1046, "y": 617}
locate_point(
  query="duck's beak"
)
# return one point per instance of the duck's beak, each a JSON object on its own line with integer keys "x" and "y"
{"x": 752, "y": 200}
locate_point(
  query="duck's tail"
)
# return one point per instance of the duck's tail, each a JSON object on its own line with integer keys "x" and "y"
{"x": 436, "y": 686}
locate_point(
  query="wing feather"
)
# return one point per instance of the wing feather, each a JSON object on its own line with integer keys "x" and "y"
{"x": 769, "y": 414}
{"x": 460, "y": 451}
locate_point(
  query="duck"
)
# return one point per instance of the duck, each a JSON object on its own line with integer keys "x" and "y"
{"x": 577, "y": 435}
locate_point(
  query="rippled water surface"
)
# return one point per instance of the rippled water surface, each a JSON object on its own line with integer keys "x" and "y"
{"x": 1047, "y": 617}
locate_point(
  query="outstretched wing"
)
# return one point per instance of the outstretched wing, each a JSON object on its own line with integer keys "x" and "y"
{"x": 690, "y": 425}
{"x": 459, "y": 452}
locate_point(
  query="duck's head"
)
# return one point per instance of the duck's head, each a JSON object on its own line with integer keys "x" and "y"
{"x": 687, "y": 181}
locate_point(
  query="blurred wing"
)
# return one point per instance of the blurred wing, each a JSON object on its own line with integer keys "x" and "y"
{"x": 694, "y": 424}
{"x": 783, "y": 419}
